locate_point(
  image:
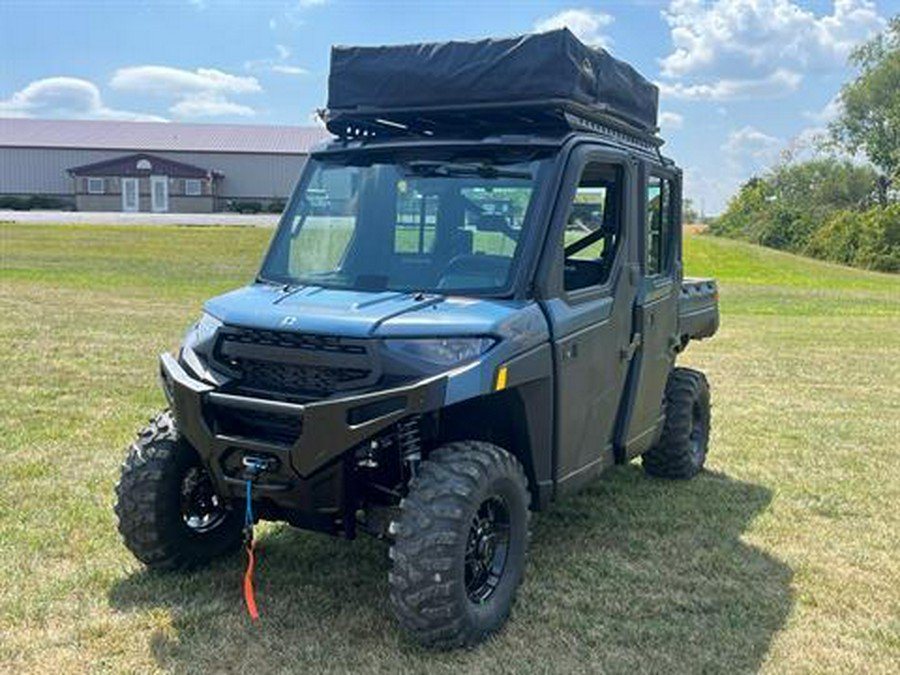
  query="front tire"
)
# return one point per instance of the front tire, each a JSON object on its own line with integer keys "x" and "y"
{"x": 169, "y": 515}
{"x": 459, "y": 549}
{"x": 681, "y": 450}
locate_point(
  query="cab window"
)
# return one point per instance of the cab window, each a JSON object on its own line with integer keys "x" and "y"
{"x": 593, "y": 227}
{"x": 660, "y": 226}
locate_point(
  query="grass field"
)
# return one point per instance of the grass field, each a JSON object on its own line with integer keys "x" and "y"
{"x": 783, "y": 557}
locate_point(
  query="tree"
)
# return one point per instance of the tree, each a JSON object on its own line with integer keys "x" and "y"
{"x": 870, "y": 119}
{"x": 784, "y": 207}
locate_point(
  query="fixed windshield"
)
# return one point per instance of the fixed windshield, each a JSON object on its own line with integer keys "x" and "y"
{"x": 433, "y": 225}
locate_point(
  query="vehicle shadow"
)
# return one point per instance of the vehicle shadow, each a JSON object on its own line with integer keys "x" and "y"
{"x": 631, "y": 575}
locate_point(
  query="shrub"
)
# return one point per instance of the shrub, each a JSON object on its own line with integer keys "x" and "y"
{"x": 879, "y": 239}
{"x": 245, "y": 206}
{"x": 276, "y": 206}
{"x": 838, "y": 239}
{"x": 14, "y": 203}
{"x": 33, "y": 202}
{"x": 45, "y": 202}
{"x": 823, "y": 208}
{"x": 869, "y": 239}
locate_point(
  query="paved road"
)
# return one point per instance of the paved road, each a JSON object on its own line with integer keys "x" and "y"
{"x": 119, "y": 218}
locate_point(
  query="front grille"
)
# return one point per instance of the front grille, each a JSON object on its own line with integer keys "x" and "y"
{"x": 295, "y": 364}
{"x": 275, "y": 338}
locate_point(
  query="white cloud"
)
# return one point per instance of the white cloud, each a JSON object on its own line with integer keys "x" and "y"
{"x": 670, "y": 120}
{"x": 199, "y": 93}
{"x": 778, "y": 83}
{"x": 66, "y": 97}
{"x": 746, "y": 151}
{"x": 732, "y": 37}
{"x": 279, "y": 64}
{"x": 288, "y": 70}
{"x": 750, "y": 148}
{"x": 587, "y": 25}
{"x": 742, "y": 45}
{"x": 709, "y": 194}
{"x": 175, "y": 81}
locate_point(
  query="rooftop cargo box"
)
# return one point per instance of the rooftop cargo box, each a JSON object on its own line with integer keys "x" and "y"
{"x": 530, "y": 71}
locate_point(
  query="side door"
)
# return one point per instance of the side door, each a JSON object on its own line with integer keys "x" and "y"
{"x": 656, "y": 310}
{"x": 590, "y": 309}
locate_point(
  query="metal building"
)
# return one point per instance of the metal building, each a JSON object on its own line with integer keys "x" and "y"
{"x": 151, "y": 166}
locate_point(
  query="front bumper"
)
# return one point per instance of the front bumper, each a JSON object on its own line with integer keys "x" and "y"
{"x": 327, "y": 429}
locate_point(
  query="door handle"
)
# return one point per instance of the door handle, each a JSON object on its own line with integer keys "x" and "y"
{"x": 570, "y": 351}
{"x": 626, "y": 353}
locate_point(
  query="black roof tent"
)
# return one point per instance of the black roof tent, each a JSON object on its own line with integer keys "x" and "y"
{"x": 529, "y": 84}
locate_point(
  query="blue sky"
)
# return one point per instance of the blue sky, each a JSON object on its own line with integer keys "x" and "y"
{"x": 742, "y": 80}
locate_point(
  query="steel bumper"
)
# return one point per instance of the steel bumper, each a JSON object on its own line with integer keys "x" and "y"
{"x": 328, "y": 428}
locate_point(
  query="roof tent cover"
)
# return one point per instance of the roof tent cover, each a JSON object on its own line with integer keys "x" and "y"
{"x": 553, "y": 67}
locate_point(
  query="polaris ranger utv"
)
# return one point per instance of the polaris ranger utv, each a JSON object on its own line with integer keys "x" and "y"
{"x": 472, "y": 306}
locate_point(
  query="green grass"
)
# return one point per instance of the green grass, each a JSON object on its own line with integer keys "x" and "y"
{"x": 783, "y": 557}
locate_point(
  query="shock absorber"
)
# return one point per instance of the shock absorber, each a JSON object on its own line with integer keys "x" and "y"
{"x": 409, "y": 437}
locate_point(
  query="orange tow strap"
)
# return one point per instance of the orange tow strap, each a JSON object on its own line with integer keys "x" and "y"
{"x": 248, "y": 583}
{"x": 251, "y": 558}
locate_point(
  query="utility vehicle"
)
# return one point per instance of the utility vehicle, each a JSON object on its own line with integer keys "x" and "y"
{"x": 472, "y": 306}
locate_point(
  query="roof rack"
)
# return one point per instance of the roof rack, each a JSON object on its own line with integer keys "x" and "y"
{"x": 544, "y": 117}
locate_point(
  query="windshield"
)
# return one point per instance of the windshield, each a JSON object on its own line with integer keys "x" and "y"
{"x": 445, "y": 225}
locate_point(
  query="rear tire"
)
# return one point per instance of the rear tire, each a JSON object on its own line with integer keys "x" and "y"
{"x": 681, "y": 450}
{"x": 169, "y": 516}
{"x": 459, "y": 549}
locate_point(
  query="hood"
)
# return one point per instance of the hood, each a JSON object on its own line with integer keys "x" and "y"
{"x": 360, "y": 314}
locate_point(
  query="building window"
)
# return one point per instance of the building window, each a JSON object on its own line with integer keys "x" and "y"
{"x": 96, "y": 186}
{"x": 144, "y": 165}
{"x": 193, "y": 187}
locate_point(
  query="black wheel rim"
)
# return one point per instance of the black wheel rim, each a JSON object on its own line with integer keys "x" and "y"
{"x": 487, "y": 549}
{"x": 698, "y": 432}
{"x": 201, "y": 508}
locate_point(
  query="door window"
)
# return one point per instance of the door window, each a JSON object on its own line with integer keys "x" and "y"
{"x": 593, "y": 227}
{"x": 417, "y": 213}
{"x": 660, "y": 228}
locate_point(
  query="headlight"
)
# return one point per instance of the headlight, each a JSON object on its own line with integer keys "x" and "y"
{"x": 197, "y": 346}
{"x": 442, "y": 351}
{"x": 202, "y": 333}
